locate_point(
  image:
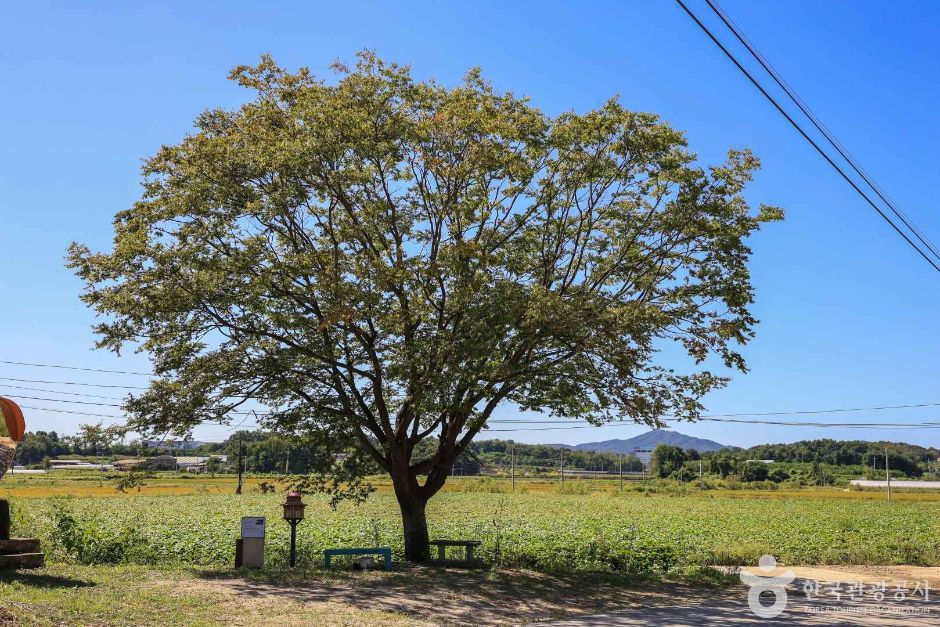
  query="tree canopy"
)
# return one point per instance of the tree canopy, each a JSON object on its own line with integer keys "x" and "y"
{"x": 380, "y": 261}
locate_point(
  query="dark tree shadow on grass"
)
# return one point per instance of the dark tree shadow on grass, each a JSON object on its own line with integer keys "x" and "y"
{"x": 42, "y": 580}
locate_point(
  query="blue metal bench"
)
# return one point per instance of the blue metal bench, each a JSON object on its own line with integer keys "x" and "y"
{"x": 328, "y": 554}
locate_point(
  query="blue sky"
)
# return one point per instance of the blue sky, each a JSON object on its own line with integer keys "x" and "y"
{"x": 848, "y": 311}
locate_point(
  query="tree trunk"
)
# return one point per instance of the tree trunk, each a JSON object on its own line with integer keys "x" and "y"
{"x": 415, "y": 525}
{"x": 413, "y": 499}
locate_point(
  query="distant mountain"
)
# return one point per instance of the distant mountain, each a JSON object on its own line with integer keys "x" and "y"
{"x": 649, "y": 440}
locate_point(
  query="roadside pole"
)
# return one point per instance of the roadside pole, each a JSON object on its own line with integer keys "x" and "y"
{"x": 238, "y": 490}
{"x": 561, "y": 468}
{"x": 701, "y": 483}
{"x": 512, "y": 466}
{"x": 888, "y": 475}
{"x": 621, "y": 472}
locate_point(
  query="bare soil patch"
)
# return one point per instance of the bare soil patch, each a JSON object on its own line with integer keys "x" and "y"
{"x": 421, "y": 596}
{"x": 871, "y": 574}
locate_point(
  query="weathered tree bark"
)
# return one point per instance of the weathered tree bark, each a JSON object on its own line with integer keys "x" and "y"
{"x": 415, "y": 525}
{"x": 412, "y": 501}
{"x": 413, "y": 497}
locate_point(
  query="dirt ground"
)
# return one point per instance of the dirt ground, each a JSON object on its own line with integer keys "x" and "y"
{"x": 434, "y": 597}
{"x": 445, "y": 597}
{"x": 124, "y": 596}
{"x": 865, "y": 574}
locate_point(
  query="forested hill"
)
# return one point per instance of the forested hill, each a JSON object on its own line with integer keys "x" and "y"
{"x": 842, "y": 452}
{"x": 498, "y": 453}
{"x": 265, "y": 452}
{"x": 650, "y": 440}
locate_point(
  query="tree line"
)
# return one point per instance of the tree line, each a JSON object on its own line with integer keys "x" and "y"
{"x": 810, "y": 461}
{"x": 265, "y": 452}
{"x": 497, "y": 454}
{"x": 910, "y": 459}
{"x": 39, "y": 446}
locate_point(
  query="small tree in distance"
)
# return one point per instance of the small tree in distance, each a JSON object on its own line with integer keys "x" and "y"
{"x": 382, "y": 261}
{"x": 722, "y": 463}
{"x": 213, "y": 465}
{"x": 667, "y": 460}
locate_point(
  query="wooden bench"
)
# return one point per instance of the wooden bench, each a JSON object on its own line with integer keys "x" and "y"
{"x": 467, "y": 562}
{"x": 328, "y": 554}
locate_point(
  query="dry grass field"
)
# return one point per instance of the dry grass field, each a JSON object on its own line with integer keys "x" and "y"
{"x": 97, "y": 484}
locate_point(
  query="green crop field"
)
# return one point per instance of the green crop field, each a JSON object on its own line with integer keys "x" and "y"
{"x": 631, "y": 532}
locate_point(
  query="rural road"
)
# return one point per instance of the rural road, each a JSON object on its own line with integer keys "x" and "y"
{"x": 731, "y": 609}
{"x": 735, "y": 613}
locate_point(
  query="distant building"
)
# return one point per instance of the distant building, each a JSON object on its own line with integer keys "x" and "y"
{"x": 160, "y": 462}
{"x": 645, "y": 455}
{"x": 182, "y": 445}
{"x": 197, "y": 464}
{"x": 128, "y": 464}
{"x": 168, "y": 462}
{"x": 71, "y": 464}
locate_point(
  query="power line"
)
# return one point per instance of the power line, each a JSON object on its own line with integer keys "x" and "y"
{"x": 846, "y": 425}
{"x": 69, "y": 401}
{"x": 735, "y": 418}
{"x": 97, "y": 385}
{"x": 22, "y": 363}
{"x": 93, "y": 385}
{"x": 66, "y": 411}
{"x": 820, "y": 126}
{"x": 62, "y": 400}
{"x": 233, "y": 428}
{"x": 826, "y": 411}
{"x": 861, "y": 425}
{"x": 492, "y": 421}
{"x": 96, "y": 415}
{"x": 799, "y": 129}
{"x": 923, "y": 425}
{"x": 730, "y": 418}
{"x": 26, "y": 387}
{"x": 518, "y": 421}
{"x": 769, "y": 413}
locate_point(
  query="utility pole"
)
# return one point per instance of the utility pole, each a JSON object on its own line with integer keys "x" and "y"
{"x": 100, "y": 465}
{"x": 512, "y": 465}
{"x": 888, "y": 474}
{"x": 238, "y": 490}
{"x": 621, "y": 472}
{"x": 701, "y": 483}
{"x": 561, "y": 467}
{"x": 287, "y": 463}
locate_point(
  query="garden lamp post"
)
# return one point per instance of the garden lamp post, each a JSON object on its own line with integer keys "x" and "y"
{"x": 293, "y": 514}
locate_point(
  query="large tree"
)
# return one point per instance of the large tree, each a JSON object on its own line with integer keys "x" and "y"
{"x": 382, "y": 261}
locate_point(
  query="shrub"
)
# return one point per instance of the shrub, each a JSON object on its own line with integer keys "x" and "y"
{"x": 778, "y": 474}
{"x": 90, "y": 544}
{"x": 753, "y": 471}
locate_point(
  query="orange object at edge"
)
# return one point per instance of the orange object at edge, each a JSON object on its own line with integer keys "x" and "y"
{"x": 13, "y": 417}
